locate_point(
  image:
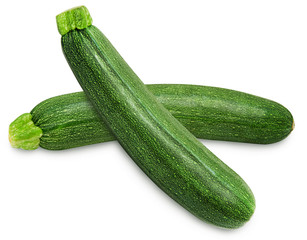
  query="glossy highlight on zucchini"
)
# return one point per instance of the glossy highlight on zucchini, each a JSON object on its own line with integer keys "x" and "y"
{"x": 157, "y": 142}
{"x": 69, "y": 120}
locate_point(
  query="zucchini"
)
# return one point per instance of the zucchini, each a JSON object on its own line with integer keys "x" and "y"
{"x": 70, "y": 120}
{"x": 157, "y": 142}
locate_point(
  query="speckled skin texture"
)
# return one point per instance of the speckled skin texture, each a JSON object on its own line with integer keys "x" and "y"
{"x": 223, "y": 114}
{"x": 158, "y": 143}
{"x": 71, "y": 121}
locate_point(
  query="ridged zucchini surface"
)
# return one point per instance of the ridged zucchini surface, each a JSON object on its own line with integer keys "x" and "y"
{"x": 158, "y": 143}
{"x": 70, "y": 120}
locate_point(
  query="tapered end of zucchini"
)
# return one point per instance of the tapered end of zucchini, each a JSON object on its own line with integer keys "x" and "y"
{"x": 23, "y": 133}
{"x": 75, "y": 18}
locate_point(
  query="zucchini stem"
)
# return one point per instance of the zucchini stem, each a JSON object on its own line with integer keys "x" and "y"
{"x": 23, "y": 133}
{"x": 75, "y": 18}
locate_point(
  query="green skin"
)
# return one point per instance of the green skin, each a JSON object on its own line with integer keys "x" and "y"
{"x": 69, "y": 120}
{"x": 157, "y": 142}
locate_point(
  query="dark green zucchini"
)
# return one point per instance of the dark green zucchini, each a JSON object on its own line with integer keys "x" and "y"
{"x": 69, "y": 120}
{"x": 157, "y": 142}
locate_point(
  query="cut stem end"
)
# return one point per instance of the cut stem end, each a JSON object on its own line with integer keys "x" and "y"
{"x": 23, "y": 133}
{"x": 75, "y": 18}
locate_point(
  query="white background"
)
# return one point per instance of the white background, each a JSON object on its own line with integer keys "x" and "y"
{"x": 97, "y": 192}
